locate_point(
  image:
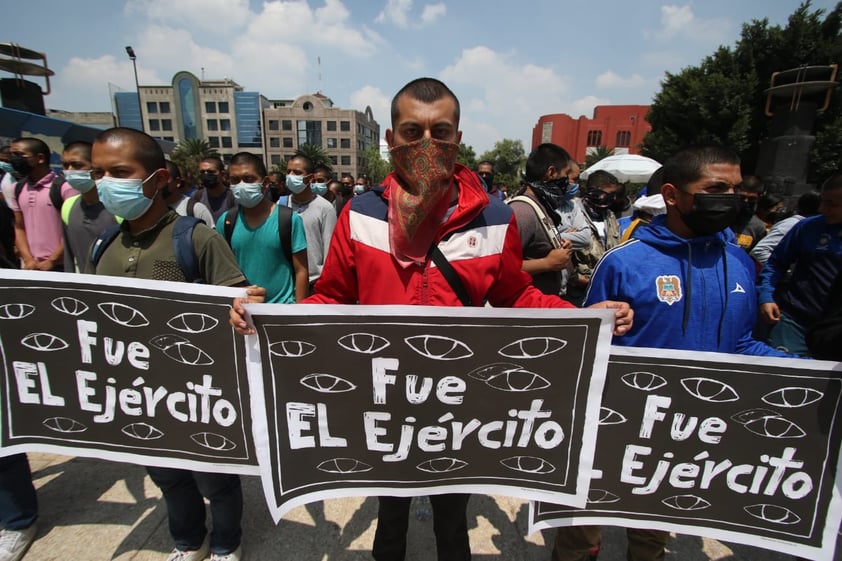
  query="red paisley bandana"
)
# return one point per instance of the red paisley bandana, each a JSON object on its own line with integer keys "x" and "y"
{"x": 420, "y": 197}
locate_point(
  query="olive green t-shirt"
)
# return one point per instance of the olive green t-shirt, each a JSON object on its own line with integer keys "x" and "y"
{"x": 151, "y": 255}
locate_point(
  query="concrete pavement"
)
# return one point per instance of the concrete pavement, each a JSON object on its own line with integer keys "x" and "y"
{"x": 93, "y": 510}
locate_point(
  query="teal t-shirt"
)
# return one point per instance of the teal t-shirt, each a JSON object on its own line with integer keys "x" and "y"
{"x": 261, "y": 257}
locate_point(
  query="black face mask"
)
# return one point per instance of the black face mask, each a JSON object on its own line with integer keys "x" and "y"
{"x": 488, "y": 180}
{"x": 746, "y": 211}
{"x": 621, "y": 202}
{"x": 597, "y": 202}
{"x": 712, "y": 213}
{"x": 21, "y": 164}
{"x": 209, "y": 180}
{"x": 777, "y": 215}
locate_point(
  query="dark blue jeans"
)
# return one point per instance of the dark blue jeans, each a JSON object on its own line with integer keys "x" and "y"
{"x": 18, "y": 502}
{"x": 450, "y": 524}
{"x": 183, "y": 491}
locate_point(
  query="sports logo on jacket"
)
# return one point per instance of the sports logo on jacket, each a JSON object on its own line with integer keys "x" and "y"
{"x": 669, "y": 289}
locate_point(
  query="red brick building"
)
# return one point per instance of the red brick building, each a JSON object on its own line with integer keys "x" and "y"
{"x": 619, "y": 127}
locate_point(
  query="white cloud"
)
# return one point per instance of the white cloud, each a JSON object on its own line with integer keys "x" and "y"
{"x": 675, "y": 19}
{"x": 216, "y": 15}
{"x": 680, "y": 22}
{"x": 88, "y": 79}
{"x": 379, "y": 102}
{"x": 432, "y": 12}
{"x": 396, "y": 12}
{"x": 610, "y": 79}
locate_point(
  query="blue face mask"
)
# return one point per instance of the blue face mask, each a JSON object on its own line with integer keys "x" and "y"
{"x": 247, "y": 195}
{"x": 359, "y": 189}
{"x": 572, "y": 190}
{"x": 6, "y": 167}
{"x": 295, "y": 183}
{"x": 319, "y": 188}
{"x": 124, "y": 197}
{"x": 80, "y": 180}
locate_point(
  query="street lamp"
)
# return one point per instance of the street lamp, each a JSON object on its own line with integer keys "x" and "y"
{"x": 133, "y": 57}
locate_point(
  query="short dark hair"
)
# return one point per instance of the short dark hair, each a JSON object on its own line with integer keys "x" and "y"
{"x": 34, "y": 145}
{"x": 752, "y": 184}
{"x": 768, "y": 201}
{"x": 426, "y": 90}
{"x": 216, "y": 160}
{"x": 174, "y": 169}
{"x": 249, "y": 159}
{"x": 344, "y": 175}
{"x": 145, "y": 149}
{"x": 80, "y": 146}
{"x": 308, "y": 161}
{"x": 808, "y": 203}
{"x": 327, "y": 172}
{"x": 687, "y": 165}
{"x": 832, "y": 182}
{"x": 600, "y": 179}
{"x": 544, "y": 156}
{"x": 653, "y": 186}
{"x": 489, "y": 162}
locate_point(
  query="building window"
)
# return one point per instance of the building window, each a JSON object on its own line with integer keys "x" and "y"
{"x": 286, "y": 125}
{"x": 331, "y": 125}
{"x": 154, "y": 125}
{"x": 547, "y": 132}
{"x": 227, "y": 142}
{"x": 275, "y": 159}
{"x": 213, "y": 125}
{"x": 273, "y": 125}
{"x": 331, "y": 143}
{"x": 346, "y": 160}
{"x": 594, "y": 138}
{"x": 345, "y": 126}
{"x": 166, "y": 124}
{"x": 164, "y": 106}
{"x": 223, "y": 107}
{"x": 310, "y": 132}
{"x": 274, "y": 142}
{"x": 307, "y": 106}
{"x": 151, "y": 107}
{"x": 213, "y": 141}
{"x": 344, "y": 142}
{"x": 210, "y": 107}
{"x": 623, "y": 138}
{"x": 287, "y": 142}
{"x": 334, "y": 160}
{"x": 225, "y": 124}
{"x": 170, "y": 138}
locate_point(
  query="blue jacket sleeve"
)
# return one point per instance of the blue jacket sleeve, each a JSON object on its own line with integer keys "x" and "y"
{"x": 778, "y": 263}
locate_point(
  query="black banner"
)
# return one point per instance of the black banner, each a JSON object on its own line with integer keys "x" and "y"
{"x": 402, "y": 401}
{"x": 124, "y": 369}
{"x": 733, "y": 447}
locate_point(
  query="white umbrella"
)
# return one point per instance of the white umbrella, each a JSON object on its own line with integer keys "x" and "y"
{"x": 625, "y": 167}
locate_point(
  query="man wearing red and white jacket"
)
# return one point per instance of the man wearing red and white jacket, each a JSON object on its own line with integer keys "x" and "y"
{"x": 380, "y": 253}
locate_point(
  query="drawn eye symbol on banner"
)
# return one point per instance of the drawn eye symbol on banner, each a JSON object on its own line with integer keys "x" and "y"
{"x": 518, "y": 380}
{"x": 601, "y": 497}
{"x": 69, "y": 305}
{"x": 181, "y": 350}
{"x": 43, "y": 342}
{"x": 343, "y": 466}
{"x": 686, "y": 502}
{"x": 528, "y": 464}
{"x": 213, "y": 441}
{"x": 744, "y": 417}
{"x": 327, "y": 383}
{"x": 366, "y": 343}
{"x": 441, "y": 465}
{"x": 193, "y": 322}
{"x": 489, "y": 371}
{"x": 439, "y": 347}
{"x": 64, "y": 424}
{"x": 533, "y": 347}
{"x": 646, "y": 381}
{"x": 142, "y": 431}
{"x": 291, "y": 349}
{"x": 608, "y": 416}
{"x": 16, "y": 311}
{"x": 708, "y": 389}
{"x": 771, "y": 426}
{"x": 122, "y": 314}
{"x": 773, "y": 513}
{"x": 793, "y": 397}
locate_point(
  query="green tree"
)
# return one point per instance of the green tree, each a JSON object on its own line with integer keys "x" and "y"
{"x": 467, "y": 156}
{"x": 189, "y": 152}
{"x": 317, "y": 154}
{"x": 723, "y": 99}
{"x": 509, "y": 159}
{"x": 374, "y": 165}
{"x": 600, "y": 153}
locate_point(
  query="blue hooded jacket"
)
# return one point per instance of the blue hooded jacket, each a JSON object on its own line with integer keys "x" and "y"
{"x": 691, "y": 294}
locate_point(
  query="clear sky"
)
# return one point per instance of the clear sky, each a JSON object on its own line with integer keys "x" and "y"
{"x": 509, "y": 62}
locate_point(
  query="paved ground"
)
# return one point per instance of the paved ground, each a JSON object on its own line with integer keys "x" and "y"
{"x": 94, "y": 510}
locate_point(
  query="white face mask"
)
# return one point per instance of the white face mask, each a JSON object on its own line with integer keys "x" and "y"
{"x": 247, "y": 195}
{"x": 80, "y": 180}
{"x": 295, "y": 183}
{"x": 124, "y": 197}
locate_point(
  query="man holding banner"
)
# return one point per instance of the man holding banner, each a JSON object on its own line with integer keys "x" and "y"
{"x": 696, "y": 292}
{"x": 429, "y": 236}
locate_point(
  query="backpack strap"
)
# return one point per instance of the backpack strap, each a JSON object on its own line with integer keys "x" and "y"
{"x": 55, "y": 192}
{"x": 549, "y": 227}
{"x": 191, "y": 204}
{"x": 450, "y": 275}
{"x": 103, "y": 240}
{"x": 185, "y": 251}
{"x": 228, "y": 225}
{"x": 285, "y": 230}
{"x": 67, "y": 207}
{"x": 18, "y": 190}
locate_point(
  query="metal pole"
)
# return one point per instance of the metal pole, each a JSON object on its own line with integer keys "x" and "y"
{"x": 133, "y": 58}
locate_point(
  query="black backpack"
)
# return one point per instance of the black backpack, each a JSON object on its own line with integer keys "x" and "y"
{"x": 284, "y": 228}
